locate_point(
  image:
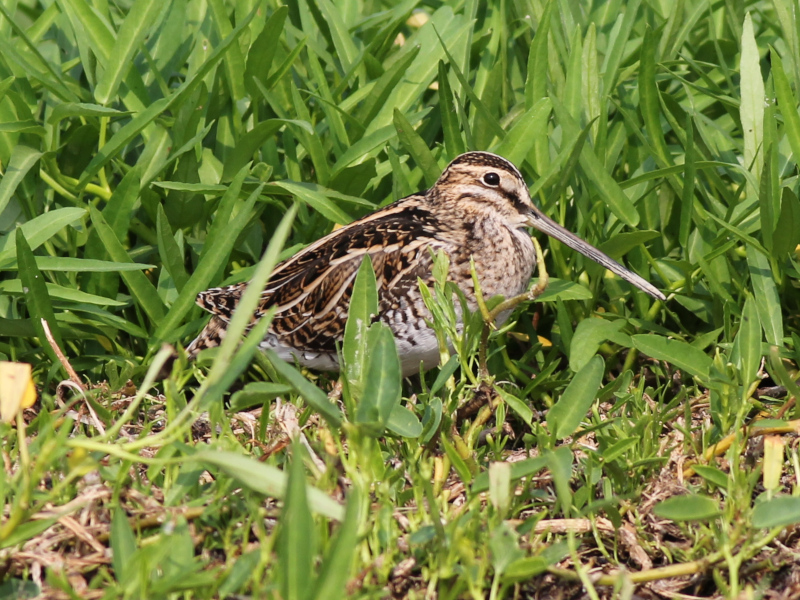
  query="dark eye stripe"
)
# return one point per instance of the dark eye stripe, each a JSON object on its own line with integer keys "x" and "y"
{"x": 517, "y": 202}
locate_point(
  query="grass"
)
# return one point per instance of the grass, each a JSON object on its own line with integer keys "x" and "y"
{"x": 615, "y": 445}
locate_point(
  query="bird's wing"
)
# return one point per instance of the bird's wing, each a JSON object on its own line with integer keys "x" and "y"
{"x": 311, "y": 291}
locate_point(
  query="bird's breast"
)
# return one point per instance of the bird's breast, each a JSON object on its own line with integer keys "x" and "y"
{"x": 504, "y": 259}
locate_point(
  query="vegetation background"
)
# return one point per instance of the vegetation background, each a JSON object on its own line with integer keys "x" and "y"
{"x": 151, "y": 149}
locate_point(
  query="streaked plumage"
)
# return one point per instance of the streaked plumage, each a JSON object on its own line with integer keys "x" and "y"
{"x": 478, "y": 208}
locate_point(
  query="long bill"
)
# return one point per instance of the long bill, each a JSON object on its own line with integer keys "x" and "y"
{"x": 539, "y": 221}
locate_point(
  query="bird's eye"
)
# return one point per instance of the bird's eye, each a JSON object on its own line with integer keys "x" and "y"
{"x": 492, "y": 179}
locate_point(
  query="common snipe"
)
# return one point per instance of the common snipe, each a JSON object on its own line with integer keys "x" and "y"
{"x": 480, "y": 208}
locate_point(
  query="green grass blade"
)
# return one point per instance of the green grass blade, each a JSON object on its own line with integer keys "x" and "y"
{"x": 297, "y": 543}
{"x": 787, "y": 103}
{"x": 766, "y": 296}
{"x": 169, "y": 251}
{"x": 266, "y": 479}
{"x": 140, "y": 19}
{"x": 417, "y": 148}
{"x": 37, "y": 231}
{"x": 649, "y": 103}
{"x": 22, "y": 159}
{"x": 37, "y": 300}
{"x": 140, "y": 287}
{"x": 214, "y": 256}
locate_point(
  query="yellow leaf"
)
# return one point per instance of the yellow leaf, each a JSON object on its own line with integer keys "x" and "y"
{"x": 17, "y": 391}
{"x": 773, "y": 461}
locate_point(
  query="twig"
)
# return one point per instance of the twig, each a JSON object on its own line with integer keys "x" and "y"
{"x": 74, "y": 380}
{"x": 62, "y": 359}
{"x": 750, "y": 430}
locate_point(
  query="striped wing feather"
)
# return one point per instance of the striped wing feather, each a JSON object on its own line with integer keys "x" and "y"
{"x": 312, "y": 290}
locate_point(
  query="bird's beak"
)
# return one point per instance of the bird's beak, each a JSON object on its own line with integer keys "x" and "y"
{"x": 539, "y": 221}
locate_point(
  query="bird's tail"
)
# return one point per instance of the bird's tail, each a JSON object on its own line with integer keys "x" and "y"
{"x": 211, "y": 337}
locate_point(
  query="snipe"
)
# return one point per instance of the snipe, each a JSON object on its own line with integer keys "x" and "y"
{"x": 480, "y": 208}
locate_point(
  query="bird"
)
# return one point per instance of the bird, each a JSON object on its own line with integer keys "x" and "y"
{"x": 480, "y": 208}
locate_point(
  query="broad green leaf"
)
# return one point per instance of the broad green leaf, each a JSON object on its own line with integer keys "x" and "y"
{"x": 780, "y": 511}
{"x": 749, "y": 342}
{"x": 169, "y": 251}
{"x": 605, "y": 185}
{"x": 588, "y": 336}
{"x": 240, "y": 573}
{"x": 234, "y": 60}
{"x": 560, "y": 461}
{"x": 523, "y": 468}
{"x": 560, "y": 289}
{"x": 257, "y": 392}
{"x": 518, "y": 406}
{"x": 572, "y": 94}
{"x": 371, "y": 142}
{"x": 751, "y": 110}
{"x": 385, "y": 87}
{"x": 66, "y": 110}
{"x": 787, "y": 235}
{"x": 451, "y": 130}
{"x": 691, "y": 507}
{"x": 536, "y": 81}
{"x": 136, "y": 125}
{"x": 265, "y": 479}
{"x": 676, "y": 352}
{"x": 689, "y": 174}
{"x": 526, "y": 568}
{"x": 712, "y": 475}
{"x": 649, "y": 102}
{"x": 613, "y": 452}
{"x": 444, "y": 30}
{"x": 503, "y": 540}
{"x": 363, "y": 308}
{"x": 383, "y": 384}
{"x": 766, "y": 296}
{"x": 570, "y": 410}
{"x": 620, "y": 244}
{"x": 404, "y": 422}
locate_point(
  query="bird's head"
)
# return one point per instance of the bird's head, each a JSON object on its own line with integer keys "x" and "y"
{"x": 484, "y": 185}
